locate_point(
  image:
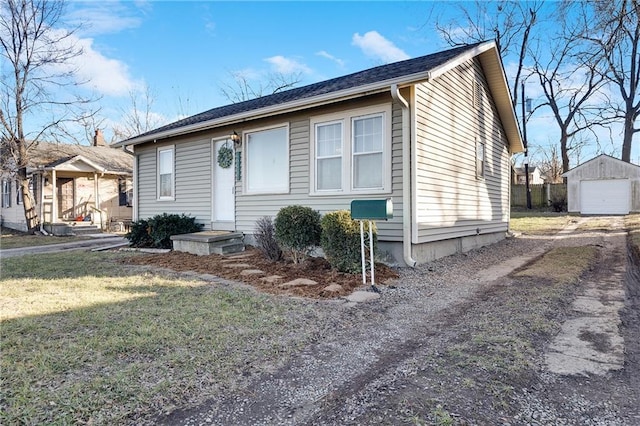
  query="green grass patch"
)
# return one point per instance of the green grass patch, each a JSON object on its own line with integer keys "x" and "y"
{"x": 507, "y": 349}
{"x": 563, "y": 265}
{"x": 84, "y": 340}
{"x": 538, "y": 223}
{"x": 10, "y": 238}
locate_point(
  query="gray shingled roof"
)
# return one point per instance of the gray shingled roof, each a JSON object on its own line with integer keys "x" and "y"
{"x": 378, "y": 74}
{"x": 48, "y": 154}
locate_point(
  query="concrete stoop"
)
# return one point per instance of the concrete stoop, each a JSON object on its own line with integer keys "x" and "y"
{"x": 209, "y": 242}
{"x": 71, "y": 228}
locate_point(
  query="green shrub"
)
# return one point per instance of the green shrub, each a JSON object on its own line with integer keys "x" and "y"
{"x": 298, "y": 230}
{"x": 138, "y": 234}
{"x": 340, "y": 241}
{"x": 157, "y": 231}
{"x": 265, "y": 236}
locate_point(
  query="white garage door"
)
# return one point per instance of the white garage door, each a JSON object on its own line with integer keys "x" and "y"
{"x": 609, "y": 196}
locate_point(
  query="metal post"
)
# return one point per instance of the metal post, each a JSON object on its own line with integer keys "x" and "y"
{"x": 373, "y": 274}
{"x": 362, "y": 255}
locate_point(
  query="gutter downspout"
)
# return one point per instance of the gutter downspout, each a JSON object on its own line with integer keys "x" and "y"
{"x": 406, "y": 177}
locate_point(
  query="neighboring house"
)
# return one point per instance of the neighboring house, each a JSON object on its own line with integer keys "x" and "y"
{"x": 72, "y": 183}
{"x": 520, "y": 177}
{"x": 435, "y": 134}
{"x": 603, "y": 185}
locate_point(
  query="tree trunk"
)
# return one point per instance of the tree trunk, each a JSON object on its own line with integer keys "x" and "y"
{"x": 564, "y": 153}
{"x": 30, "y": 213}
{"x": 627, "y": 139}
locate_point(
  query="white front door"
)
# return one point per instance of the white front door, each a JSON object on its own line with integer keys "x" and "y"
{"x": 223, "y": 197}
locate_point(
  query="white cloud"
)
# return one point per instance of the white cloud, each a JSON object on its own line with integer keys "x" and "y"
{"x": 287, "y": 66}
{"x": 329, "y": 56}
{"x": 376, "y": 46}
{"x": 106, "y": 76}
{"x": 92, "y": 69}
{"x": 103, "y": 17}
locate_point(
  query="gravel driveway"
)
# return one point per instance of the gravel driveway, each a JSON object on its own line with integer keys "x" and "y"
{"x": 461, "y": 340}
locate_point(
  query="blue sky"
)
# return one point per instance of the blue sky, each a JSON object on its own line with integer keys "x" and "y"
{"x": 185, "y": 51}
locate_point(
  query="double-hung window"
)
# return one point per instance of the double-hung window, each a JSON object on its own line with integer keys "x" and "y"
{"x": 6, "y": 193}
{"x": 368, "y": 142}
{"x": 166, "y": 178}
{"x": 329, "y": 156}
{"x": 351, "y": 152}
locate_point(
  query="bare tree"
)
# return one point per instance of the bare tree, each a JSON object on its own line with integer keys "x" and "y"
{"x": 139, "y": 117}
{"x": 570, "y": 75}
{"x": 509, "y": 23}
{"x": 38, "y": 86}
{"x": 550, "y": 165}
{"x": 615, "y": 31}
{"x": 242, "y": 89}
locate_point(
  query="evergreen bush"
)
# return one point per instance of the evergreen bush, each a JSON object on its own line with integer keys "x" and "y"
{"x": 340, "y": 241}
{"x": 298, "y": 230}
{"x": 157, "y": 231}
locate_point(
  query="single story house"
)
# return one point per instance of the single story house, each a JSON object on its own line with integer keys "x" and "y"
{"x": 603, "y": 185}
{"x": 434, "y": 134}
{"x": 520, "y": 177}
{"x": 72, "y": 183}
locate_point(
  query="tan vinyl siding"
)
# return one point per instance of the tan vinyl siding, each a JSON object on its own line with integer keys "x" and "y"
{"x": 451, "y": 200}
{"x": 249, "y": 208}
{"x": 192, "y": 180}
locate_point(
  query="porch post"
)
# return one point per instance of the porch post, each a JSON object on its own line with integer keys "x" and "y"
{"x": 96, "y": 196}
{"x": 54, "y": 197}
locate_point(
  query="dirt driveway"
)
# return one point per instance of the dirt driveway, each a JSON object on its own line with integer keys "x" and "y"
{"x": 483, "y": 338}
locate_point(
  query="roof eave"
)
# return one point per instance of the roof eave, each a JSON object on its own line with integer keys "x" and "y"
{"x": 378, "y": 87}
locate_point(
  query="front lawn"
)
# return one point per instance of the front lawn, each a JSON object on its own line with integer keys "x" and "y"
{"x": 85, "y": 339}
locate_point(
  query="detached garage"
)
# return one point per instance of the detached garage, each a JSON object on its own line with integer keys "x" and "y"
{"x": 603, "y": 185}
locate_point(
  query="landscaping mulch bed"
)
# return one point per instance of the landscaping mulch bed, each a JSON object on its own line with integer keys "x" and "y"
{"x": 243, "y": 266}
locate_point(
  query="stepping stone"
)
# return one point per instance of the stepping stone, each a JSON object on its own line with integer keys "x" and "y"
{"x": 298, "y": 282}
{"x": 237, "y": 257}
{"x": 332, "y": 288}
{"x": 272, "y": 279}
{"x": 237, "y": 265}
{"x": 251, "y": 272}
{"x": 362, "y": 296}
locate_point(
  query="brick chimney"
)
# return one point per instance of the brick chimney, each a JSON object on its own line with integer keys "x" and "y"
{"x": 98, "y": 139}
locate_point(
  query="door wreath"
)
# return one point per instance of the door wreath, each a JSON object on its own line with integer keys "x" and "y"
{"x": 225, "y": 156}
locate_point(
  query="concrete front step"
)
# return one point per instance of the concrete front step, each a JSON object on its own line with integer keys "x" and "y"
{"x": 71, "y": 228}
{"x": 209, "y": 242}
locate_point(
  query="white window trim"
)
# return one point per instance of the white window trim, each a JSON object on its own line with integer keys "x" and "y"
{"x": 173, "y": 173}
{"x": 347, "y": 117}
{"x": 481, "y": 173}
{"x": 245, "y": 161}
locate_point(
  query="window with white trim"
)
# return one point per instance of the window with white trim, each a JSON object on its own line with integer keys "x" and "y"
{"x": 267, "y": 161}
{"x": 18, "y": 193}
{"x": 166, "y": 175}
{"x": 6, "y": 193}
{"x": 480, "y": 159}
{"x": 329, "y": 156}
{"x": 368, "y": 167}
{"x": 351, "y": 152}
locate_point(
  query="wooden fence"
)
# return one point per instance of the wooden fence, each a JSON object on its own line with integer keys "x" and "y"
{"x": 541, "y": 194}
